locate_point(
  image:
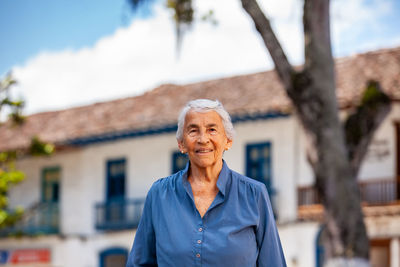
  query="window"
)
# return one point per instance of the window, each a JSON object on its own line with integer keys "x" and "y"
{"x": 258, "y": 163}
{"x": 113, "y": 257}
{"x": 398, "y": 158}
{"x": 258, "y": 166}
{"x": 319, "y": 247}
{"x": 115, "y": 206}
{"x": 47, "y": 220}
{"x": 179, "y": 161}
{"x": 116, "y": 172}
{"x": 51, "y": 185}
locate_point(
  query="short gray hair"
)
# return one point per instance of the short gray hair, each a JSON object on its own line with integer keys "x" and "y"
{"x": 205, "y": 105}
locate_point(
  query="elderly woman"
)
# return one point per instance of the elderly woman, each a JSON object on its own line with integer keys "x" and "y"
{"x": 206, "y": 214}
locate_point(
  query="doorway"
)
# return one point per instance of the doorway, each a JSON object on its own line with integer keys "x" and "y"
{"x": 380, "y": 252}
{"x": 397, "y": 124}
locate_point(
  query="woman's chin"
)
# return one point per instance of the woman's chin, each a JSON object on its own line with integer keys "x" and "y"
{"x": 205, "y": 163}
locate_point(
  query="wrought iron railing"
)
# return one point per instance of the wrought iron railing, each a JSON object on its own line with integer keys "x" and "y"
{"x": 118, "y": 215}
{"x": 40, "y": 218}
{"x": 376, "y": 192}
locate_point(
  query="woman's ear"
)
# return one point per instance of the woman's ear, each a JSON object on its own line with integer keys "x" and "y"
{"x": 228, "y": 144}
{"x": 181, "y": 147}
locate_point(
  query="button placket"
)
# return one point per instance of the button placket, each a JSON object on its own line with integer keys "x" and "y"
{"x": 198, "y": 244}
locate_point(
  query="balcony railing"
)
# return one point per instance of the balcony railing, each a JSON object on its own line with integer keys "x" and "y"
{"x": 118, "y": 215}
{"x": 377, "y": 192}
{"x": 41, "y": 218}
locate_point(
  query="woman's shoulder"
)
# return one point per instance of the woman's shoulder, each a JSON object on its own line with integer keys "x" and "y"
{"x": 245, "y": 181}
{"x": 168, "y": 182}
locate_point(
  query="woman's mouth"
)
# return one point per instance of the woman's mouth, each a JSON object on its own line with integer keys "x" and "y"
{"x": 200, "y": 151}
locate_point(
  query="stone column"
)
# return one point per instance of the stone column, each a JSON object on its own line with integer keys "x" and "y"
{"x": 395, "y": 252}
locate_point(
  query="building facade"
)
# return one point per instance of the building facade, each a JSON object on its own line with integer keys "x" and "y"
{"x": 83, "y": 203}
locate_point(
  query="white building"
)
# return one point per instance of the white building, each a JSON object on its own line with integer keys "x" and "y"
{"x": 83, "y": 203}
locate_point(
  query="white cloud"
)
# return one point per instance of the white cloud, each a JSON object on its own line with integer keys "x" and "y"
{"x": 142, "y": 56}
{"x": 357, "y": 25}
{"x": 126, "y": 63}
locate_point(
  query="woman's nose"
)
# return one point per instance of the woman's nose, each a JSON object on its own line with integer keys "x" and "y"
{"x": 203, "y": 137}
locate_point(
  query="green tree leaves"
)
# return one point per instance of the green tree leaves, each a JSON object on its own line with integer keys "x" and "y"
{"x": 9, "y": 174}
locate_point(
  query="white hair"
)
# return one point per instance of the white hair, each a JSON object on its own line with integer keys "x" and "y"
{"x": 205, "y": 105}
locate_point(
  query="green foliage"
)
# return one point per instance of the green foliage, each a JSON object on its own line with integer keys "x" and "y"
{"x": 6, "y": 82}
{"x": 183, "y": 15}
{"x": 9, "y": 175}
{"x": 183, "y": 11}
{"x": 362, "y": 121}
{"x": 6, "y": 101}
{"x": 9, "y": 218}
{"x": 210, "y": 17}
{"x": 39, "y": 148}
{"x": 373, "y": 95}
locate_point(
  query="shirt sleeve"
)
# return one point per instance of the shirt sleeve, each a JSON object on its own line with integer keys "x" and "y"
{"x": 269, "y": 244}
{"x": 143, "y": 253}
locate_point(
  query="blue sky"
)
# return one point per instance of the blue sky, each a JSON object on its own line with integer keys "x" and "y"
{"x": 374, "y": 30}
{"x": 29, "y": 27}
{"x": 68, "y": 53}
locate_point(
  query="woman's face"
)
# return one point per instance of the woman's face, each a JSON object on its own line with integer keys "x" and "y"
{"x": 204, "y": 138}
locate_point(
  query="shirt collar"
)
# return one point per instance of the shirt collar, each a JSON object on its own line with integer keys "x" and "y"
{"x": 222, "y": 181}
{"x": 223, "y": 178}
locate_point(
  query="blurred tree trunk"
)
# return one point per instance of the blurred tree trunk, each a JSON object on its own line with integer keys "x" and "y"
{"x": 336, "y": 152}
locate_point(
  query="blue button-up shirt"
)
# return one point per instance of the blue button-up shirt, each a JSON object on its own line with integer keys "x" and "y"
{"x": 238, "y": 228}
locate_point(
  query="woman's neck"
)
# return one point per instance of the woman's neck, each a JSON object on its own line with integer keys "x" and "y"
{"x": 205, "y": 175}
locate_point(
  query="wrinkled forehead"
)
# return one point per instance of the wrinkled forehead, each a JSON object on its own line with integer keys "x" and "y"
{"x": 202, "y": 117}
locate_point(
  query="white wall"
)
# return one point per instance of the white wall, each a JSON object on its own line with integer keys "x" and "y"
{"x": 72, "y": 250}
{"x": 83, "y": 171}
{"x": 280, "y": 133}
{"x": 380, "y": 162}
{"x": 83, "y": 176}
{"x": 298, "y": 243}
{"x": 305, "y": 173}
{"x": 148, "y": 159}
{"x": 73, "y": 187}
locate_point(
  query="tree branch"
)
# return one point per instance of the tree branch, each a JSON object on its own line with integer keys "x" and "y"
{"x": 360, "y": 126}
{"x": 317, "y": 40}
{"x": 313, "y": 93}
{"x": 263, "y": 26}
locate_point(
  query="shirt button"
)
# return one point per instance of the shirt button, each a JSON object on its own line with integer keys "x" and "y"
{"x": 198, "y": 255}
{"x": 198, "y": 241}
{"x": 200, "y": 229}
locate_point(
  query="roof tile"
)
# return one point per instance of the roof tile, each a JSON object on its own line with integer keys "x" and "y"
{"x": 241, "y": 95}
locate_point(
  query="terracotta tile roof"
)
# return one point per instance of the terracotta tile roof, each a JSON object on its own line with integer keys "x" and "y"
{"x": 257, "y": 93}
